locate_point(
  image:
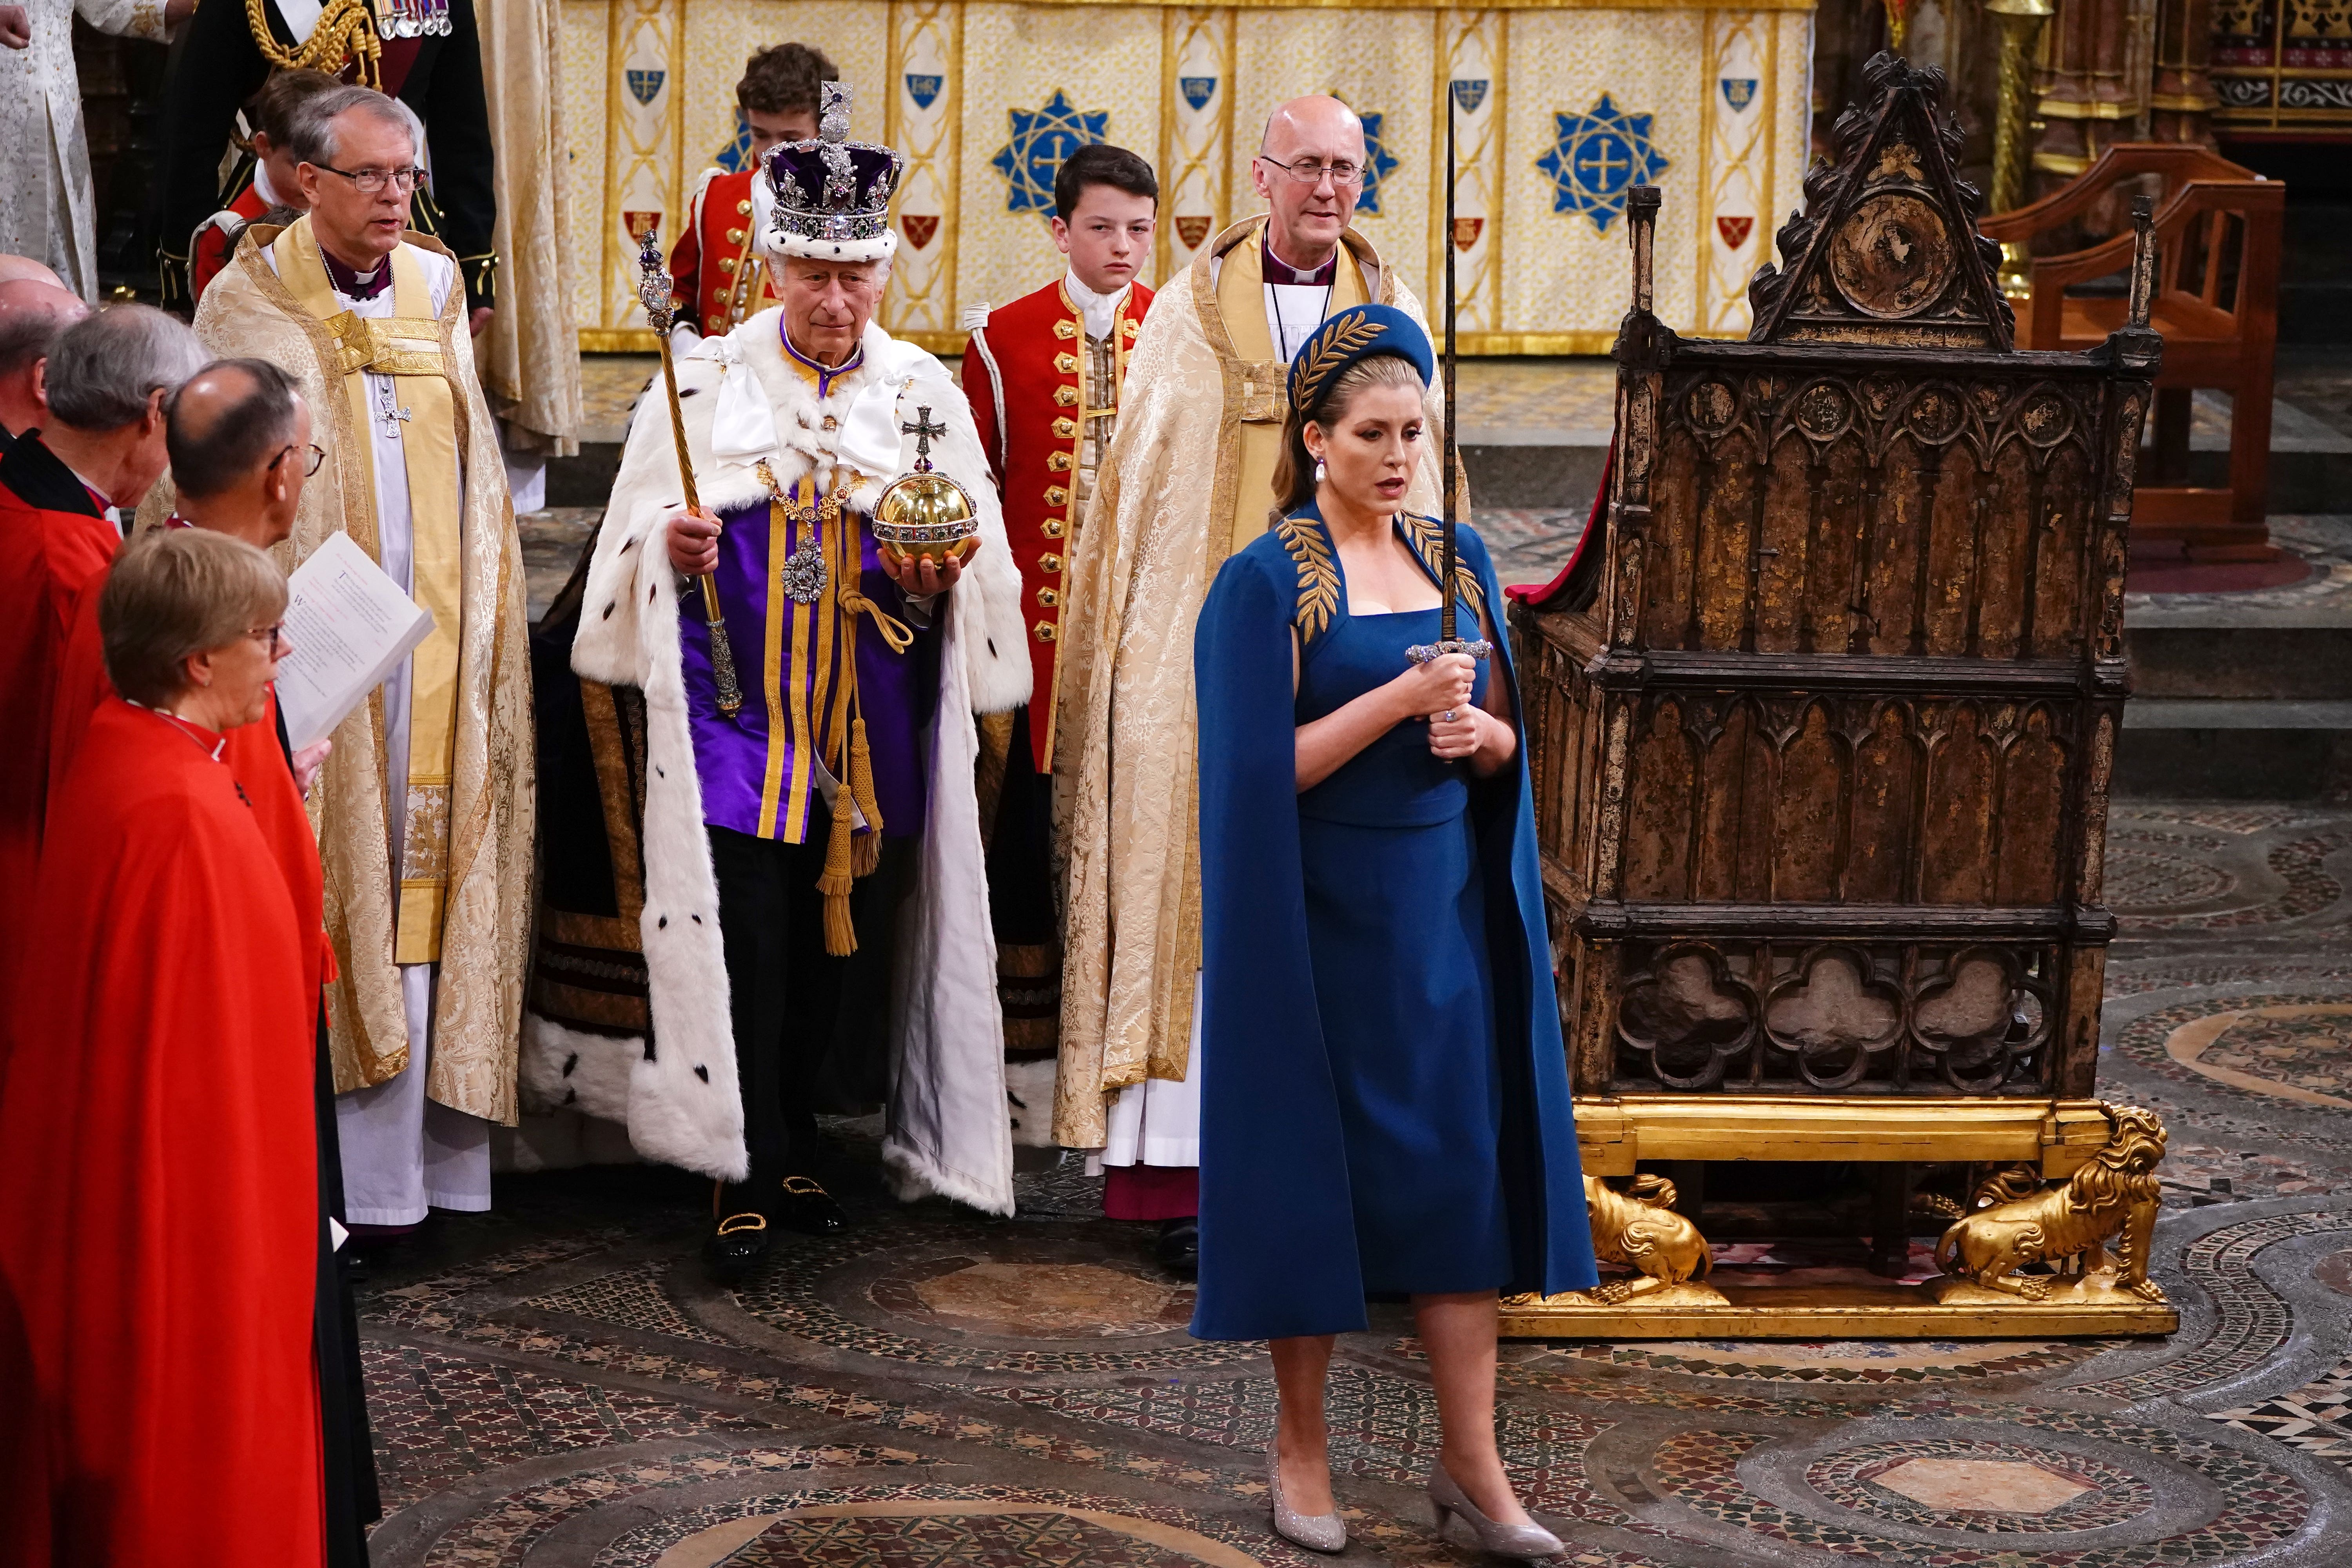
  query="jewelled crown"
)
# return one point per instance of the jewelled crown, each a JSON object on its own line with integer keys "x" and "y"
{"x": 833, "y": 194}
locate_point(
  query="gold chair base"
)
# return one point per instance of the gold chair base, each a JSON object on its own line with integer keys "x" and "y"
{"x": 1858, "y": 1311}
{"x": 2056, "y": 1242}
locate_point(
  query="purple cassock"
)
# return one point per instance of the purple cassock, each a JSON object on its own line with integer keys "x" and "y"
{"x": 760, "y": 769}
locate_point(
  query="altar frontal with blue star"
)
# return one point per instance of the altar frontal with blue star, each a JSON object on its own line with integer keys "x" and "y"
{"x": 1042, "y": 139}
{"x": 1596, "y": 158}
{"x": 1379, "y": 163}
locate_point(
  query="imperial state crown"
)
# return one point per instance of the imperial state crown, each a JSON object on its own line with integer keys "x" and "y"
{"x": 833, "y": 194}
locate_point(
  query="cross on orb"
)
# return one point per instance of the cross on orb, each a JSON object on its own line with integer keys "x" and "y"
{"x": 922, "y": 430}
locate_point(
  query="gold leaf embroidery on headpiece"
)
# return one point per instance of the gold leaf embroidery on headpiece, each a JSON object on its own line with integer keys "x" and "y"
{"x": 1427, "y": 536}
{"x": 1319, "y": 576}
{"x": 1327, "y": 351}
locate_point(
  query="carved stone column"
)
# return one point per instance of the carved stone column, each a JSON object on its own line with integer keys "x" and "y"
{"x": 2095, "y": 84}
{"x": 2019, "y": 23}
{"x": 2181, "y": 98}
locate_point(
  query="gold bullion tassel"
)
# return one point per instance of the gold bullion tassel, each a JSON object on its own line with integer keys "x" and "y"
{"x": 848, "y": 855}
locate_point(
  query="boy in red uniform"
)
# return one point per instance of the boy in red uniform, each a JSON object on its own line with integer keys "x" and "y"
{"x": 1043, "y": 375}
{"x": 719, "y": 278}
{"x": 263, "y": 177}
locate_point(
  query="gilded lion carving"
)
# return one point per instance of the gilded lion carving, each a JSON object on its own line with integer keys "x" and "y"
{"x": 2113, "y": 1196}
{"x": 1639, "y": 1229}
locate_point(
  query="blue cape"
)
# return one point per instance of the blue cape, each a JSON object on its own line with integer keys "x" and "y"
{"x": 1278, "y": 1231}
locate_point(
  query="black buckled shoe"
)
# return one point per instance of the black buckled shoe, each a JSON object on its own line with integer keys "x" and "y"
{"x": 806, "y": 1206}
{"x": 735, "y": 1246}
{"x": 1180, "y": 1246}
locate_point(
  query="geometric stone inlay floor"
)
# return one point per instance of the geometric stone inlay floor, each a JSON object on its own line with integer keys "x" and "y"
{"x": 555, "y": 1384}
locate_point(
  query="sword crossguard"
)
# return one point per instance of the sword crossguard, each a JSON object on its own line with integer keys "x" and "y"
{"x": 1422, "y": 653}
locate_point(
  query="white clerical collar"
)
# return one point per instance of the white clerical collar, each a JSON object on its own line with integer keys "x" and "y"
{"x": 1101, "y": 311}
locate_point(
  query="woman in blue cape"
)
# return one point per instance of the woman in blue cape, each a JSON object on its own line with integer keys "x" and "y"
{"x": 1385, "y": 1100}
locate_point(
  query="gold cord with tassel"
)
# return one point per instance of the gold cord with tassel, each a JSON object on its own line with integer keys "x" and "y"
{"x": 850, "y": 854}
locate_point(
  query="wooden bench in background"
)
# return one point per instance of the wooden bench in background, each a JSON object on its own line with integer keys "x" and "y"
{"x": 2217, "y": 232}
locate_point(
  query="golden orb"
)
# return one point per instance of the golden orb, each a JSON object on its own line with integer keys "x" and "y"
{"x": 925, "y": 514}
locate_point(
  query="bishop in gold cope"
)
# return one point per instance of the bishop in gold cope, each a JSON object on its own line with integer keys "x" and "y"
{"x": 425, "y": 806}
{"x": 1189, "y": 481}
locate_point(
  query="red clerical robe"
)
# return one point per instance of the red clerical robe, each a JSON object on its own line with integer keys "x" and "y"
{"x": 251, "y": 752}
{"x": 48, "y": 552}
{"x": 158, "y": 1144}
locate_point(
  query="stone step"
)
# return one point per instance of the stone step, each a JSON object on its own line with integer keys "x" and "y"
{"x": 2193, "y": 748}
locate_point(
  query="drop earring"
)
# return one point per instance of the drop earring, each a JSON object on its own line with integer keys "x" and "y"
{"x": 1319, "y": 471}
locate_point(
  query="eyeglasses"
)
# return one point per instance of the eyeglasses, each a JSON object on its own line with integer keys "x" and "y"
{"x": 270, "y": 638}
{"x": 1307, "y": 171}
{"x": 317, "y": 458}
{"x": 372, "y": 181}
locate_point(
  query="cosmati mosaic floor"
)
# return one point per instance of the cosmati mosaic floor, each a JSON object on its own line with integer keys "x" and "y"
{"x": 555, "y": 1384}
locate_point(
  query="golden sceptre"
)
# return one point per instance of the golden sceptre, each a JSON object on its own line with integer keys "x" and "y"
{"x": 654, "y": 290}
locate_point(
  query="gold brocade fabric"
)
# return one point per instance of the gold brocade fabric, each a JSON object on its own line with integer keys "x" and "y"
{"x": 530, "y": 353}
{"x": 1158, "y": 528}
{"x": 477, "y": 1004}
{"x": 406, "y": 348}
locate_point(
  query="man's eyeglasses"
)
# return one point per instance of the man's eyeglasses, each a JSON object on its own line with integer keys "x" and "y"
{"x": 270, "y": 638}
{"x": 371, "y": 182}
{"x": 310, "y": 465}
{"x": 1307, "y": 171}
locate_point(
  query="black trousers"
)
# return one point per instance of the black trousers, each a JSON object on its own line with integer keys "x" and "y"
{"x": 812, "y": 1031}
{"x": 347, "y": 1450}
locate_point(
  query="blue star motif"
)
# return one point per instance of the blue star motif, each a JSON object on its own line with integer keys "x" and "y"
{"x": 736, "y": 157}
{"x": 1596, "y": 158}
{"x": 1378, "y": 162}
{"x": 1042, "y": 137}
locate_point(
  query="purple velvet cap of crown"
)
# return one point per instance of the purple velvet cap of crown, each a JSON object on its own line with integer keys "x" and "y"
{"x": 833, "y": 194}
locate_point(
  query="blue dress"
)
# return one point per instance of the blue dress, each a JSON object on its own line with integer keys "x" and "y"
{"x": 1396, "y": 930}
{"x": 1385, "y": 1101}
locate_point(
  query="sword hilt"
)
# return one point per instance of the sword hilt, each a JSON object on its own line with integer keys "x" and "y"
{"x": 1422, "y": 653}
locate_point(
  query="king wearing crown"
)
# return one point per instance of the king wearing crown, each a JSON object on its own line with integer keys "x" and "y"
{"x": 814, "y": 912}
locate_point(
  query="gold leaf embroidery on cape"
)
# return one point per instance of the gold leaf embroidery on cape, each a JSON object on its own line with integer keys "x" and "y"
{"x": 1427, "y": 536}
{"x": 1328, "y": 352}
{"x": 1319, "y": 577}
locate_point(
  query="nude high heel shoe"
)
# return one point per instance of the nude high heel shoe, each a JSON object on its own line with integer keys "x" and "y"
{"x": 1317, "y": 1532}
{"x": 1525, "y": 1541}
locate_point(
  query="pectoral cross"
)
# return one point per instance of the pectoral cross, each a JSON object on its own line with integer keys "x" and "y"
{"x": 394, "y": 416}
{"x": 922, "y": 430}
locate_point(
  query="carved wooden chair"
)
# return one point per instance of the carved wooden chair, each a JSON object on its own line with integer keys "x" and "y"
{"x": 1822, "y": 725}
{"x": 2217, "y": 230}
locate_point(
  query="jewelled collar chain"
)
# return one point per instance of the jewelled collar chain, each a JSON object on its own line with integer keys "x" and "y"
{"x": 805, "y": 573}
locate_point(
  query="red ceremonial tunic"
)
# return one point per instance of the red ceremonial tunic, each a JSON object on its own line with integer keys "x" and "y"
{"x": 1022, "y": 373}
{"x": 208, "y": 251}
{"x": 48, "y": 553}
{"x": 158, "y": 1145}
{"x": 716, "y": 267}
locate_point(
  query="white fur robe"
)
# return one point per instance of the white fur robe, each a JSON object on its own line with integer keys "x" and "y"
{"x": 947, "y": 1129}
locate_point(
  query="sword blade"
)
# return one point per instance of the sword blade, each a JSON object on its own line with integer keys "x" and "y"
{"x": 1445, "y": 577}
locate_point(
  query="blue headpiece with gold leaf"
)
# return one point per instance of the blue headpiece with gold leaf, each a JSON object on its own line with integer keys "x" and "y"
{"x": 1353, "y": 335}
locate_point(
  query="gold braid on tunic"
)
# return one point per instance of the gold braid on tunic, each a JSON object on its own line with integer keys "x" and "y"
{"x": 345, "y": 36}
